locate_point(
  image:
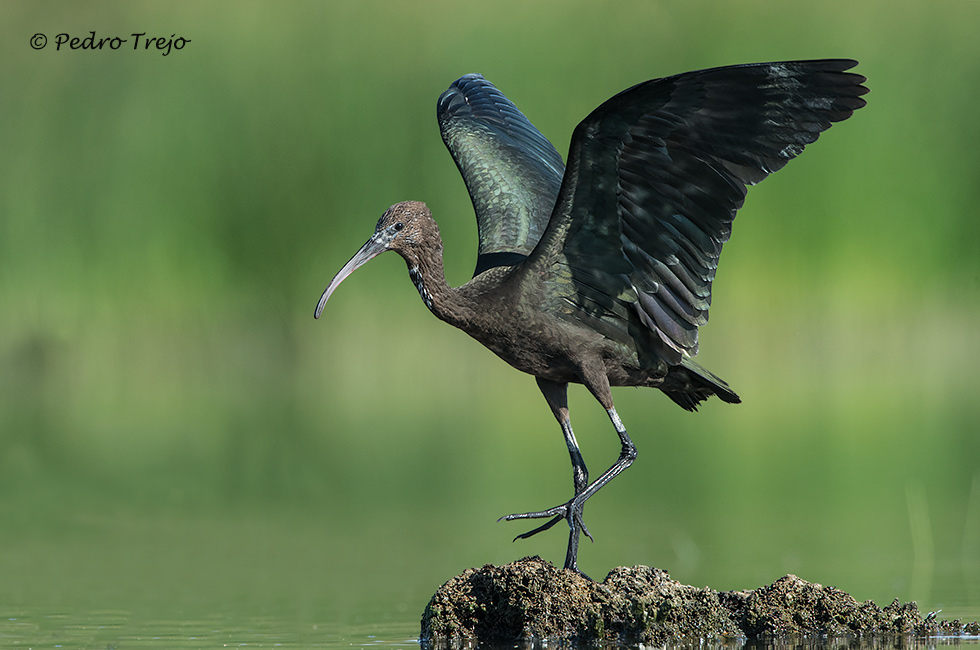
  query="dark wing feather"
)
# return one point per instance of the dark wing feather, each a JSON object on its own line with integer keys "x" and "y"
{"x": 512, "y": 172}
{"x": 655, "y": 176}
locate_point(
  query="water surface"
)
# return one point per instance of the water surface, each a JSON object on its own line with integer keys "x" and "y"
{"x": 116, "y": 629}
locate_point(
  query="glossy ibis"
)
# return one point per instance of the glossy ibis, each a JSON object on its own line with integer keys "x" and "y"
{"x": 600, "y": 272}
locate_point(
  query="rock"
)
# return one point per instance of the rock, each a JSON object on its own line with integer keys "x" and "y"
{"x": 533, "y": 601}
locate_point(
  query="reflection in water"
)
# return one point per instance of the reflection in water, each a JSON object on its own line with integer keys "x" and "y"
{"x": 119, "y": 629}
{"x": 115, "y": 629}
{"x": 786, "y": 644}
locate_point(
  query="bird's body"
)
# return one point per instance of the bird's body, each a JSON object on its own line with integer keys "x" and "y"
{"x": 529, "y": 328}
{"x": 600, "y": 273}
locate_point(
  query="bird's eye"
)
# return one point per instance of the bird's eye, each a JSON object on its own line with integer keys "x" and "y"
{"x": 399, "y": 225}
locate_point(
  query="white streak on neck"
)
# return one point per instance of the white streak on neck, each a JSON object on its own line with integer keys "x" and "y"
{"x": 413, "y": 273}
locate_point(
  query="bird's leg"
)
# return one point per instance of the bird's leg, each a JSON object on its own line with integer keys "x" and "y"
{"x": 557, "y": 396}
{"x": 626, "y": 457}
{"x": 572, "y": 510}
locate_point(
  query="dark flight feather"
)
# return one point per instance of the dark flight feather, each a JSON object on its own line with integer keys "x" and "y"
{"x": 656, "y": 174}
{"x": 512, "y": 172}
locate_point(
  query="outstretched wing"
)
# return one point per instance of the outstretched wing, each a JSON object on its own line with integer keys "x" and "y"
{"x": 655, "y": 176}
{"x": 512, "y": 172}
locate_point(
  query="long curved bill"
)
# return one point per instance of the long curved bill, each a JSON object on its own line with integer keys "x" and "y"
{"x": 371, "y": 249}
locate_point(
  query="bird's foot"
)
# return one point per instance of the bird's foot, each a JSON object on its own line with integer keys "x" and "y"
{"x": 571, "y": 512}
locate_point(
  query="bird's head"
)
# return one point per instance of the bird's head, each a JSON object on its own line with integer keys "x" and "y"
{"x": 402, "y": 228}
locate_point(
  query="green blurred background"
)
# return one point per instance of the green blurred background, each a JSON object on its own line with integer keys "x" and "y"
{"x": 178, "y": 434}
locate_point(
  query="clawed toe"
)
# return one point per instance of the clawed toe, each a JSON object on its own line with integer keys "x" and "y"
{"x": 541, "y": 528}
{"x": 567, "y": 511}
{"x": 583, "y": 528}
{"x": 560, "y": 511}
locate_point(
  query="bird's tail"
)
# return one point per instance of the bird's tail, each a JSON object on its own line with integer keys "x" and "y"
{"x": 688, "y": 384}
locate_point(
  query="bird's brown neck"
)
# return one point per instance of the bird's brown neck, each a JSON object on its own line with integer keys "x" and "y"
{"x": 428, "y": 275}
